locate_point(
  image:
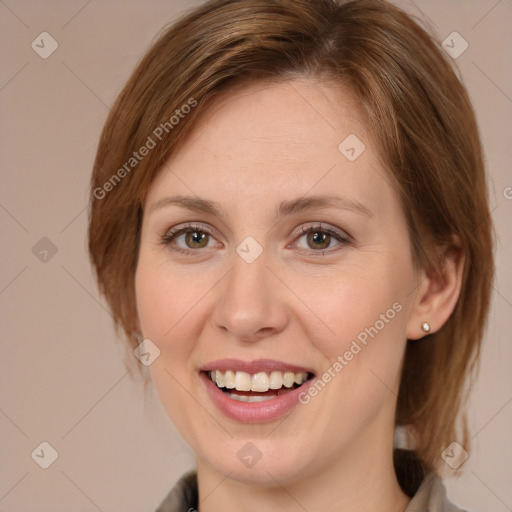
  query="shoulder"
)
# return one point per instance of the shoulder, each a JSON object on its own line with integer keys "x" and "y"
{"x": 431, "y": 497}
{"x": 183, "y": 496}
{"x": 423, "y": 485}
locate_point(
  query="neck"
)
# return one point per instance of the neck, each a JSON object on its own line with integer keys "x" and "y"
{"x": 361, "y": 479}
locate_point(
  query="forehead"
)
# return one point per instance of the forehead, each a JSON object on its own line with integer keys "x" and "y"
{"x": 291, "y": 118}
{"x": 263, "y": 139}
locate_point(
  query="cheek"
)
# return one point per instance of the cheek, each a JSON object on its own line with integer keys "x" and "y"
{"x": 361, "y": 306}
{"x": 362, "y": 337}
{"x": 164, "y": 299}
{"x": 165, "y": 307}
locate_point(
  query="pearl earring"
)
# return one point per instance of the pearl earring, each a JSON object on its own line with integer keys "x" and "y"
{"x": 425, "y": 326}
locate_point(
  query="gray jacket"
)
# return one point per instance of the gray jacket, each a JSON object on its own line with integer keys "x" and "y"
{"x": 430, "y": 496}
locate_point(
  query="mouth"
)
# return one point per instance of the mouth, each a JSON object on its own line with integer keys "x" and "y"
{"x": 257, "y": 387}
{"x": 253, "y": 392}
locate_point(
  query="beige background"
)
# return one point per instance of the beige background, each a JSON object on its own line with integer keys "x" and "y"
{"x": 62, "y": 377}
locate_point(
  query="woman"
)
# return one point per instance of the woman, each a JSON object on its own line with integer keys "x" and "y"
{"x": 289, "y": 220}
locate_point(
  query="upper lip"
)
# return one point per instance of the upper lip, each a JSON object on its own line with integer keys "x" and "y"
{"x": 256, "y": 366}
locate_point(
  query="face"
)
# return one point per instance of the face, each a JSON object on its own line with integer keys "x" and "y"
{"x": 298, "y": 305}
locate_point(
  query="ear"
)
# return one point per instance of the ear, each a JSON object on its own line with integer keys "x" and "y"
{"x": 437, "y": 293}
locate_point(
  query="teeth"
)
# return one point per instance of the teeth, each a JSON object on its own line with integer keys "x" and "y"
{"x": 276, "y": 380}
{"x": 219, "y": 379}
{"x": 288, "y": 379}
{"x": 229, "y": 379}
{"x": 248, "y": 398}
{"x": 242, "y": 381}
{"x": 259, "y": 382}
{"x": 299, "y": 378}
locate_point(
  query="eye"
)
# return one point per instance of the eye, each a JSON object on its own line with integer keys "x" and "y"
{"x": 193, "y": 237}
{"x": 190, "y": 238}
{"x": 319, "y": 238}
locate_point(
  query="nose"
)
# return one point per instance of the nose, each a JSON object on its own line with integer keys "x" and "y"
{"x": 251, "y": 301}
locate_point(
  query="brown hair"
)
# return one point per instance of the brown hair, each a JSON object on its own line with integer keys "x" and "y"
{"x": 422, "y": 124}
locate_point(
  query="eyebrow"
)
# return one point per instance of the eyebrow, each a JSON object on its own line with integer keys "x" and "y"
{"x": 284, "y": 208}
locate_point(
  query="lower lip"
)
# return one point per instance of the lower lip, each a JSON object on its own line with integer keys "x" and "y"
{"x": 254, "y": 412}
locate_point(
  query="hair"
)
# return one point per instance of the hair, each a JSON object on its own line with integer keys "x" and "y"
{"x": 421, "y": 122}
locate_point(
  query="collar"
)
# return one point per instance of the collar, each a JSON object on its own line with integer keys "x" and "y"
{"x": 430, "y": 496}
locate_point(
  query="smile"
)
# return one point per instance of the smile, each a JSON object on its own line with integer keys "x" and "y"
{"x": 257, "y": 387}
{"x": 255, "y": 392}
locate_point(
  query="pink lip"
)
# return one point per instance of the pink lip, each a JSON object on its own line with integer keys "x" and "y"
{"x": 258, "y": 365}
{"x": 253, "y": 412}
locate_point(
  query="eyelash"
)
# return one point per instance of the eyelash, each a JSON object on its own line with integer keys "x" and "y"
{"x": 172, "y": 234}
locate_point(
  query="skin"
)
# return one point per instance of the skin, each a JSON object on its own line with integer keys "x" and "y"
{"x": 253, "y": 148}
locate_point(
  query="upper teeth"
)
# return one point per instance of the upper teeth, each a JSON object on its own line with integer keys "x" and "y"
{"x": 262, "y": 381}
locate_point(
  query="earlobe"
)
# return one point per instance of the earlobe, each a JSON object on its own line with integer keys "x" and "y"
{"x": 436, "y": 295}
{"x": 426, "y": 327}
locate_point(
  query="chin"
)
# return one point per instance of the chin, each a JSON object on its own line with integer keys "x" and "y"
{"x": 260, "y": 462}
